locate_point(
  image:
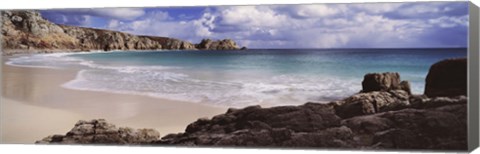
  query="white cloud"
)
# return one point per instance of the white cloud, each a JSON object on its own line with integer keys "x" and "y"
{"x": 317, "y": 10}
{"x": 108, "y": 13}
{"x": 113, "y": 24}
{"x": 448, "y": 22}
{"x": 81, "y": 20}
{"x": 119, "y": 13}
{"x": 305, "y": 26}
{"x": 160, "y": 24}
{"x": 203, "y": 25}
{"x": 251, "y": 16}
{"x": 378, "y": 8}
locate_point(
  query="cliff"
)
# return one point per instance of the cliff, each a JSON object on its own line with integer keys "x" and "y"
{"x": 28, "y": 32}
{"x": 384, "y": 115}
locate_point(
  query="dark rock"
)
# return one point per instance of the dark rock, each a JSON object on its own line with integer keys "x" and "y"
{"x": 405, "y": 85}
{"x": 423, "y": 101}
{"x": 372, "y": 102}
{"x": 336, "y": 137}
{"x": 399, "y": 139}
{"x": 384, "y": 82}
{"x": 254, "y": 117}
{"x": 433, "y": 128}
{"x": 308, "y": 125}
{"x": 98, "y": 131}
{"x": 447, "y": 78}
{"x": 368, "y": 124}
{"x": 197, "y": 125}
{"x": 424, "y": 129}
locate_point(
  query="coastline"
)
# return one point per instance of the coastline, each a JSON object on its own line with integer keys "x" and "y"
{"x": 34, "y": 98}
{"x": 369, "y": 119}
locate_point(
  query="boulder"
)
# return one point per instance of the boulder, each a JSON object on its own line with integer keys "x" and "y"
{"x": 384, "y": 82}
{"x": 372, "y": 102}
{"x": 98, "y": 131}
{"x": 447, "y": 78}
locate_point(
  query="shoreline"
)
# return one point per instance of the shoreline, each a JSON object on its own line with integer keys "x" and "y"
{"x": 38, "y": 91}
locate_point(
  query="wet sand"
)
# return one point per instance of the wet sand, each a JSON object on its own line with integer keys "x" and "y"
{"x": 34, "y": 105}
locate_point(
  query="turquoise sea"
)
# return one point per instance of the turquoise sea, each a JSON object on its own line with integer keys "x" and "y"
{"x": 240, "y": 78}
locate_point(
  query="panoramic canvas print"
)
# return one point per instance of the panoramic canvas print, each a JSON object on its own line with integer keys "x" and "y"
{"x": 323, "y": 76}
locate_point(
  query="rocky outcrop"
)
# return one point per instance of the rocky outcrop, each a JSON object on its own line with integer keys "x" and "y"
{"x": 440, "y": 128}
{"x": 28, "y": 32}
{"x": 98, "y": 131}
{"x": 226, "y": 44}
{"x": 447, "y": 78}
{"x": 381, "y": 92}
{"x": 384, "y": 82}
{"x": 388, "y": 117}
{"x": 372, "y": 102}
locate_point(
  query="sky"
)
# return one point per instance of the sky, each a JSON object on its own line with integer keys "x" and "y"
{"x": 355, "y": 25}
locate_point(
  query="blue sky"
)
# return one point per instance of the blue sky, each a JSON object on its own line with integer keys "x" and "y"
{"x": 361, "y": 25}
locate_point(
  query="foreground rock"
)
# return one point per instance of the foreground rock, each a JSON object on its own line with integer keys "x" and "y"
{"x": 28, "y": 32}
{"x": 372, "y": 102}
{"x": 384, "y": 115}
{"x": 447, "y": 78}
{"x": 101, "y": 132}
{"x": 434, "y": 128}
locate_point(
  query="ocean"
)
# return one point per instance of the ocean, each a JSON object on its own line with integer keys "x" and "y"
{"x": 240, "y": 78}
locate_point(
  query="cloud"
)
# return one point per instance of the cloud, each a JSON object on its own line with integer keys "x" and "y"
{"x": 315, "y": 11}
{"x": 160, "y": 23}
{"x": 369, "y": 25}
{"x": 117, "y": 13}
{"x": 91, "y": 17}
{"x": 425, "y": 10}
{"x": 250, "y": 17}
{"x": 448, "y": 22}
{"x": 377, "y": 8}
{"x": 77, "y": 20}
{"x": 107, "y": 13}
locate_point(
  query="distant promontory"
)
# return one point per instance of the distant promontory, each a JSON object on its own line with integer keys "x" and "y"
{"x": 28, "y": 32}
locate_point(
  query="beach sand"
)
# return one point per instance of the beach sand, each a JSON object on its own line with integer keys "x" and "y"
{"x": 34, "y": 105}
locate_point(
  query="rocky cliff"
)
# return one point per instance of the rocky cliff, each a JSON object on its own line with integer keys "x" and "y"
{"x": 28, "y": 32}
{"x": 384, "y": 115}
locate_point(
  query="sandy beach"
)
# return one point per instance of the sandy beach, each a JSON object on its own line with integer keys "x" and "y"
{"x": 34, "y": 105}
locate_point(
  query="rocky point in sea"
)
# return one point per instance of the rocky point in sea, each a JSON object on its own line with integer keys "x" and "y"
{"x": 384, "y": 115}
